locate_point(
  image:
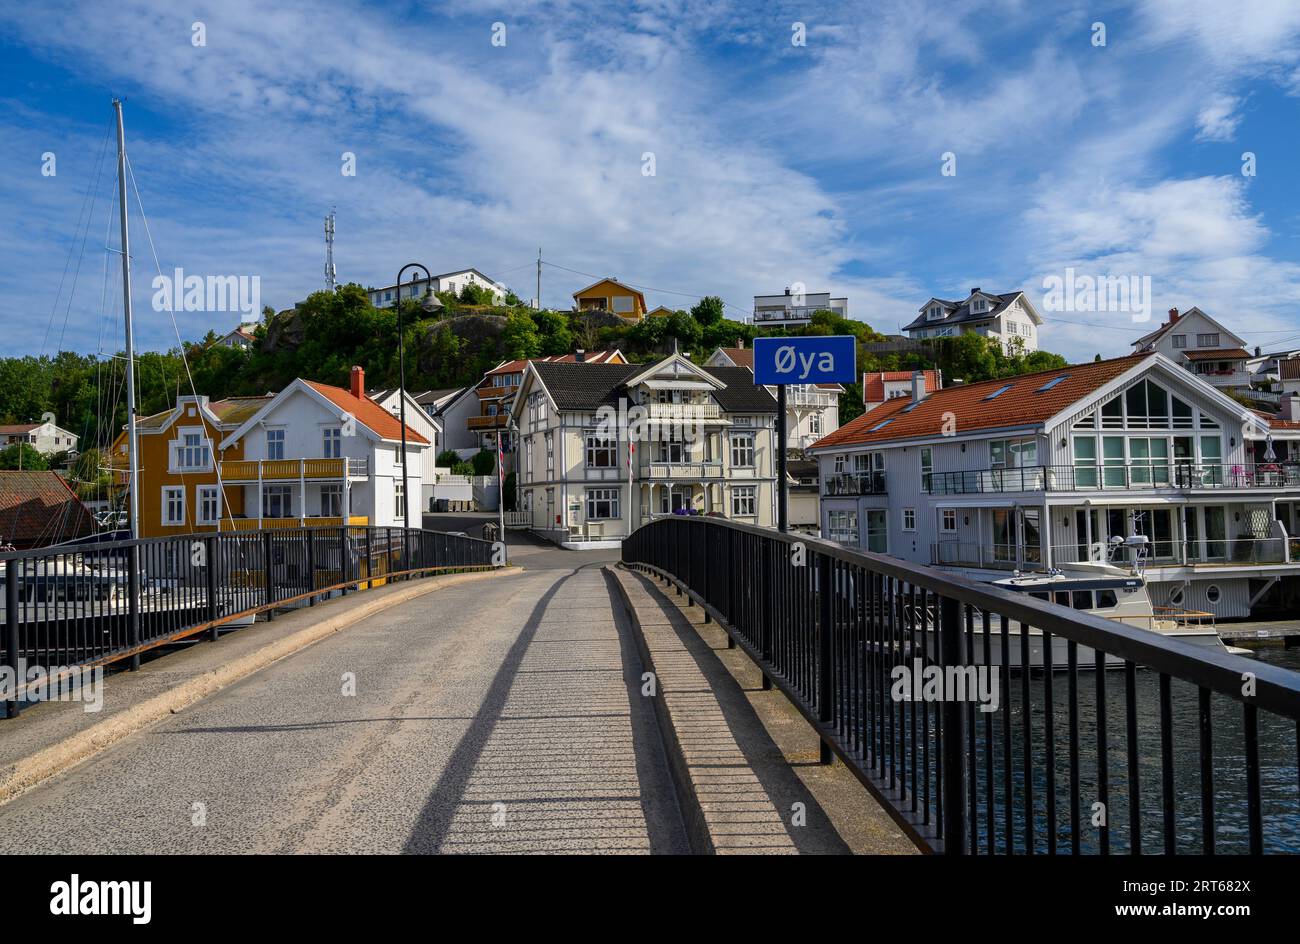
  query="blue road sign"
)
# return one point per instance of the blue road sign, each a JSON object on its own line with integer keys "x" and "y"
{"x": 815, "y": 359}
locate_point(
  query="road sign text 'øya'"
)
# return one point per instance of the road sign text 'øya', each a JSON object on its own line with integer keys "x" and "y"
{"x": 814, "y": 359}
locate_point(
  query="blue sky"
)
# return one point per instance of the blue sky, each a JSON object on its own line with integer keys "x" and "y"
{"x": 774, "y": 163}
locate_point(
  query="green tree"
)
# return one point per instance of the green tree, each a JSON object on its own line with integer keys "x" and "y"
{"x": 520, "y": 339}
{"x": 708, "y": 310}
{"x": 553, "y": 330}
{"x": 484, "y": 462}
{"x": 22, "y": 456}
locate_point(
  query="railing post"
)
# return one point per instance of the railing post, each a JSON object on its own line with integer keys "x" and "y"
{"x": 951, "y": 715}
{"x": 212, "y": 586}
{"x": 311, "y": 566}
{"x": 767, "y": 574}
{"x": 133, "y": 606}
{"x": 12, "y": 654}
{"x": 825, "y": 629}
{"x": 370, "y": 562}
{"x": 266, "y": 574}
{"x": 345, "y": 559}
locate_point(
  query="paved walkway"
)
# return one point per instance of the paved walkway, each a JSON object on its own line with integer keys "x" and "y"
{"x": 502, "y": 720}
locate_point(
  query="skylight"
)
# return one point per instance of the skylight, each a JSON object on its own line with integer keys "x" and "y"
{"x": 1051, "y": 383}
{"x": 998, "y": 392}
{"x": 881, "y": 425}
{"x": 911, "y": 406}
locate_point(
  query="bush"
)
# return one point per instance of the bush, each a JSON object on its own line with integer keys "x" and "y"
{"x": 484, "y": 462}
{"x": 447, "y": 459}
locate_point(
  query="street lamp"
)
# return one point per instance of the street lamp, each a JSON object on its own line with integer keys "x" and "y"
{"x": 401, "y": 384}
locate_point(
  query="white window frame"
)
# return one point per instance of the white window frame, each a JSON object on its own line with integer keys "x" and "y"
{"x": 208, "y": 496}
{"x": 946, "y": 515}
{"x": 595, "y": 497}
{"x": 275, "y": 443}
{"x": 332, "y": 442}
{"x": 594, "y": 445}
{"x": 909, "y": 519}
{"x": 739, "y": 450}
{"x": 744, "y": 497}
{"x": 399, "y": 499}
{"x": 334, "y": 507}
{"x": 170, "y": 492}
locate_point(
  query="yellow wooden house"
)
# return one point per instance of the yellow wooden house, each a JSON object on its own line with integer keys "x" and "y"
{"x": 613, "y": 296}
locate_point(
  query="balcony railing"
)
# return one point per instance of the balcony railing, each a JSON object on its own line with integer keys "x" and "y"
{"x": 497, "y": 421}
{"x": 1069, "y": 478}
{"x": 247, "y": 470}
{"x": 685, "y": 470}
{"x": 810, "y": 398}
{"x": 1228, "y": 552}
{"x": 310, "y": 521}
{"x": 854, "y": 483}
{"x": 682, "y": 411}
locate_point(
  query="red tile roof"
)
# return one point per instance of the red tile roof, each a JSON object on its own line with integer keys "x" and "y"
{"x": 38, "y": 509}
{"x": 967, "y": 405}
{"x": 368, "y": 413}
{"x": 873, "y": 385}
{"x": 1226, "y": 354}
{"x": 19, "y": 428}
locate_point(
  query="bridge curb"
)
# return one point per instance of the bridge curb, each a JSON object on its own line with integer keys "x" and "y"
{"x": 31, "y": 771}
{"x": 688, "y": 801}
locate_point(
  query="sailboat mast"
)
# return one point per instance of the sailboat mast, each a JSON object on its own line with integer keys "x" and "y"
{"x": 132, "y": 485}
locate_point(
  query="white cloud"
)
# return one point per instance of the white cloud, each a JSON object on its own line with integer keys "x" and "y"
{"x": 1218, "y": 120}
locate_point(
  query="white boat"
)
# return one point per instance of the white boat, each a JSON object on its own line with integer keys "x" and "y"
{"x": 1102, "y": 589}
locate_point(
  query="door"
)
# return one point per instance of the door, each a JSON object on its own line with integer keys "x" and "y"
{"x": 877, "y": 530}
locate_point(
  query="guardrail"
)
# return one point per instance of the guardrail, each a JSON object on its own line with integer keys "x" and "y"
{"x": 1065, "y": 762}
{"x": 854, "y": 483}
{"x": 1119, "y": 476}
{"x": 66, "y": 609}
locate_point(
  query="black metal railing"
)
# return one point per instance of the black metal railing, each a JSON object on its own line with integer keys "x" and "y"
{"x": 1185, "y": 748}
{"x": 65, "y": 609}
{"x": 855, "y": 483}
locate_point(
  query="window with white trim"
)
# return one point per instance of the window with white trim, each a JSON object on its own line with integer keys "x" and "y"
{"x": 927, "y": 467}
{"x": 275, "y": 444}
{"x": 602, "y": 452}
{"x": 1208, "y": 340}
{"x": 173, "y": 506}
{"x": 332, "y": 442}
{"x": 192, "y": 451}
{"x": 1179, "y": 340}
{"x": 843, "y": 526}
{"x": 909, "y": 519}
{"x": 742, "y": 449}
{"x": 602, "y": 504}
{"x": 399, "y": 499}
{"x": 744, "y": 501}
{"x": 277, "y": 501}
{"x": 948, "y": 519}
{"x": 209, "y": 502}
{"x": 331, "y": 501}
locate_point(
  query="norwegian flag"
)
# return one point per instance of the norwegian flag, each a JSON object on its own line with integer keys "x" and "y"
{"x": 501, "y": 463}
{"x": 631, "y": 448}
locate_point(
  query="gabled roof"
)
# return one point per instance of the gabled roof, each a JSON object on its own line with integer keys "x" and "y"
{"x": 232, "y": 411}
{"x": 1027, "y": 401}
{"x": 634, "y": 291}
{"x": 366, "y": 412}
{"x": 1148, "y": 340}
{"x": 20, "y": 428}
{"x": 591, "y": 386}
{"x": 960, "y": 312}
{"x": 38, "y": 509}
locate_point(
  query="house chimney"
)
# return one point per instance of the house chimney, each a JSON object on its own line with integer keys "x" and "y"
{"x": 740, "y": 343}
{"x": 787, "y": 290}
{"x": 918, "y": 385}
{"x": 1173, "y": 315}
{"x": 358, "y": 383}
{"x": 1291, "y": 407}
{"x": 579, "y": 355}
{"x": 1258, "y": 353}
{"x": 975, "y": 290}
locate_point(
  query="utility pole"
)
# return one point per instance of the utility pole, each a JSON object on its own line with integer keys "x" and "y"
{"x": 538, "y": 302}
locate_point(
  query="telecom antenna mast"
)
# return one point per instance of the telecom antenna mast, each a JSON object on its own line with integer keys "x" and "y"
{"x": 330, "y": 272}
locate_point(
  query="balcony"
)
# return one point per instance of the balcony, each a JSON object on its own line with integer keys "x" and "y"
{"x": 811, "y": 399}
{"x": 496, "y": 421}
{"x": 1116, "y": 476}
{"x": 683, "y": 412}
{"x": 854, "y": 483}
{"x": 254, "y": 524}
{"x": 685, "y": 471}
{"x": 291, "y": 470}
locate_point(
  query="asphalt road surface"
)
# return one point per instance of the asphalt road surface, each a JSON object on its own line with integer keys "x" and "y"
{"x": 499, "y": 717}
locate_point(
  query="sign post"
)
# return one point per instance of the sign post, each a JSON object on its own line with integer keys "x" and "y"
{"x": 813, "y": 359}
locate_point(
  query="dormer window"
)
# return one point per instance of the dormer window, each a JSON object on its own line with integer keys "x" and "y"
{"x": 979, "y": 304}
{"x": 934, "y": 313}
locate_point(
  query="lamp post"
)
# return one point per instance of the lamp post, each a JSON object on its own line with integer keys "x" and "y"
{"x": 401, "y": 385}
